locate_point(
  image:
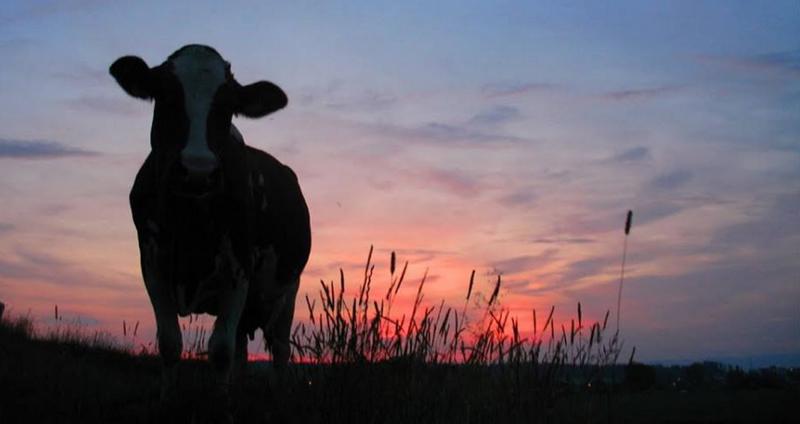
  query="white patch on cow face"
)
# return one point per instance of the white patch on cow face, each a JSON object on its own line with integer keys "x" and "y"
{"x": 201, "y": 72}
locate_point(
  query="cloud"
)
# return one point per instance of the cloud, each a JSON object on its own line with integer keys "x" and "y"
{"x": 32, "y": 266}
{"x": 121, "y": 105}
{"x": 568, "y": 240}
{"x": 454, "y": 182}
{"x": 639, "y": 93}
{"x": 415, "y": 256}
{"x": 584, "y": 268}
{"x": 785, "y": 63}
{"x": 369, "y": 100}
{"x": 29, "y": 265}
{"x": 496, "y": 90}
{"x": 519, "y": 198}
{"x": 655, "y": 210}
{"x": 39, "y": 149}
{"x": 496, "y": 116}
{"x": 437, "y": 132}
{"x": 5, "y": 227}
{"x": 671, "y": 180}
{"x": 752, "y": 303}
{"x": 83, "y": 74}
{"x": 524, "y": 263}
{"x": 16, "y": 44}
{"x": 634, "y": 154}
{"x": 419, "y": 251}
{"x": 776, "y": 228}
{"x": 38, "y": 10}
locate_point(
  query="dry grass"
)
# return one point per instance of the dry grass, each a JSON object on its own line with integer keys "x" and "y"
{"x": 356, "y": 360}
{"x": 362, "y": 329}
{"x": 448, "y": 364}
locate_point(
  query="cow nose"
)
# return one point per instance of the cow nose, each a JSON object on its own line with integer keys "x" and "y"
{"x": 199, "y": 165}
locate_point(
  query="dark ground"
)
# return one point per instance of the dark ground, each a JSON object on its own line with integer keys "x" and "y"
{"x": 91, "y": 382}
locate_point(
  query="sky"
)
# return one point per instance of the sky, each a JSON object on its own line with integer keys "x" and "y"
{"x": 507, "y": 137}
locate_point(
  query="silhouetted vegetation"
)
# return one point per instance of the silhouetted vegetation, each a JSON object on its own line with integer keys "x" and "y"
{"x": 354, "y": 361}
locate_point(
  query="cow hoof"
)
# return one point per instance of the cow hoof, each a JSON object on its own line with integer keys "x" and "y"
{"x": 215, "y": 417}
{"x": 216, "y": 409}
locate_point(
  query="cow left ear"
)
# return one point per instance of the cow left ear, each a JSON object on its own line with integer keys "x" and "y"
{"x": 133, "y": 75}
{"x": 260, "y": 99}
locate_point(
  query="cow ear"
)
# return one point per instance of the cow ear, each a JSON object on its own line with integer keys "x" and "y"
{"x": 134, "y": 76}
{"x": 260, "y": 99}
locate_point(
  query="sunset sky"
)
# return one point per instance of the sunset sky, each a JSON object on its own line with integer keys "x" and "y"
{"x": 506, "y": 136}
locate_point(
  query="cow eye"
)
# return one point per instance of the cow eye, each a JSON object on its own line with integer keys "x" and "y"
{"x": 225, "y": 98}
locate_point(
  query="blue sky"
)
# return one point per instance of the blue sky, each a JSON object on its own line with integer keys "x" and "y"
{"x": 507, "y": 137}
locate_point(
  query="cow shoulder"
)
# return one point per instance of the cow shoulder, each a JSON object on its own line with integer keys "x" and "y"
{"x": 144, "y": 193}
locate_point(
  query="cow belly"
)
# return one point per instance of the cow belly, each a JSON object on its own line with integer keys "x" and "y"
{"x": 266, "y": 296}
{"x": 201, "y": 293}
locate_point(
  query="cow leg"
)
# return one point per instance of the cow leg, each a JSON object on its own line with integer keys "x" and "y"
{"x": 168, "y": 333}
{"x": 222, "y": 343}
{"x": 282, "y": 328}
{"x": 277, "y": 332}
{"x": 240, "y": 356}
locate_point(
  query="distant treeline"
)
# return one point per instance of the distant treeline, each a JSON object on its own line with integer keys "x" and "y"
{"x": 708, "y": 374}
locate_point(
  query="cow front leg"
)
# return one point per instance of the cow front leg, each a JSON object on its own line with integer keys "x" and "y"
{"x": 281, "y": 330}
{"x": 168, "y": 333}
{"x": 170, "y": 346}
{"x": 222, "y": 344}
{"x": 240, "y": 357}
{"x": 277, "y": 332}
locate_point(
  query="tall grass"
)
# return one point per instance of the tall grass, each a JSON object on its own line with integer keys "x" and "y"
{"x": 360, "y": 334}
{"x": 628, "y": 222}
{"x": 359, "y": 355}
{"x": 361, "y": 328}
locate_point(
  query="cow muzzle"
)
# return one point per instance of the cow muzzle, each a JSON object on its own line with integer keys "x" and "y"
{"x": 199, "y": 164}
{"x": 198, "y": 181}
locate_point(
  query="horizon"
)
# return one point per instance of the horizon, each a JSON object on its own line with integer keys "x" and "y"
{"x": 503, "y": 138}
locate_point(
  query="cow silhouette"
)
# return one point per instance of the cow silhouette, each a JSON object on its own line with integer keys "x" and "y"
{"x": 223, "y": 227}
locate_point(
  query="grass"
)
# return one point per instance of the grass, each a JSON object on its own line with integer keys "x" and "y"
{"x": 355, "y": 360}
{"x": 447, "y": 365}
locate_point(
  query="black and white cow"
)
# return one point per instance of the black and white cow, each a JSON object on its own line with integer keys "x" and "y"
{"x": 223, "y": 227}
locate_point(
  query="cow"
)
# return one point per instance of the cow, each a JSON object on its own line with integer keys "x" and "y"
{"x": 223, "y": 228}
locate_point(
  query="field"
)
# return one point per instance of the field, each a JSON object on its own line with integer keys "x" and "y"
{"x": 355, "y": 362}
{"x": 91, "y": 381}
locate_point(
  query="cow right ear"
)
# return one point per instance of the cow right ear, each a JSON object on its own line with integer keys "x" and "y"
{"x": 134, "y": 76}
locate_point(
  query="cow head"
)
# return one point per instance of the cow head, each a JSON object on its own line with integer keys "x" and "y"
{"x": 195, "y": 97}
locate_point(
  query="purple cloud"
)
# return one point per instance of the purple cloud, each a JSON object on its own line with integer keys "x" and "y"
{"x": 454, "y": 182}
{"x": 5, "y": 227}
{"x": 496, "y": 116}
{"x": 39, "y": 149}
{"x": 634, "y": 154}
{"x": 29, "y": 265}
{"x": 567, "y": 240}
{"x": 491, "y": 91}
{"x": 519, "y": 198}
{"x": 671, "y": 180}
{"x": 640, "y": 93}
{"x": 655, "y": 210}
{"x": 118, "y": 106}
{"x": 785, "y": 62}
{"x": 524, "y": 262}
